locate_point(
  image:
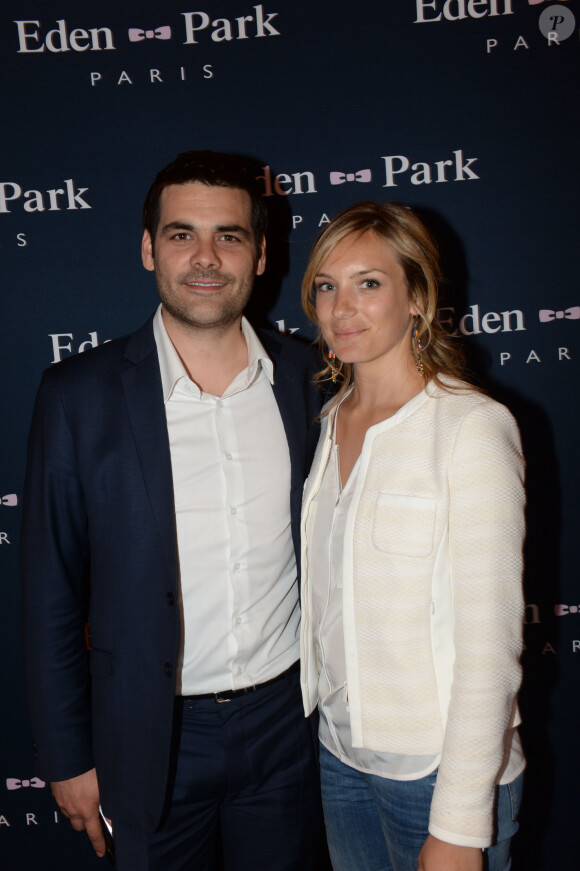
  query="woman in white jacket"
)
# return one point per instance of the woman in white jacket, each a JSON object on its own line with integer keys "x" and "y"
{"x": 411, "y": 566}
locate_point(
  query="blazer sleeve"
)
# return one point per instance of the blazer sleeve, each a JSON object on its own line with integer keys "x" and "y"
{"x": 486, "y": 530}
{"x": 54, "y": 560}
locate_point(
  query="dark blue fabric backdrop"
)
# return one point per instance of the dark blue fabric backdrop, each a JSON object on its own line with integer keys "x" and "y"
{"x": 466, "y": 109}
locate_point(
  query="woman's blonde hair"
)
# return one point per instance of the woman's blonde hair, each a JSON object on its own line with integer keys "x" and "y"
{"x": 416, "y": 251}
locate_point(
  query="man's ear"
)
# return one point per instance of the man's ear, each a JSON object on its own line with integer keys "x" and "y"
{"x": 147, "y": 251}
{"x": 261, "y": 264}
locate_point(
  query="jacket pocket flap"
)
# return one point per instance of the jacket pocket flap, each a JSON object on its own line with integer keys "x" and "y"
{"x": 100, "y": 663}
{"x": 404, "y": 525}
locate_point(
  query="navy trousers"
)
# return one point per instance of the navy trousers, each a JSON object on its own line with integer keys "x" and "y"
{"x": 245, "y": 792}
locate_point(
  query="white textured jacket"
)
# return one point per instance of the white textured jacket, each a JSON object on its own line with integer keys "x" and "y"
{"x": 432, "y": 596}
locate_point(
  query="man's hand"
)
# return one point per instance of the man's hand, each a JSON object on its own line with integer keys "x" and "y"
{"x": 438, "y": 855}
{"x": 78, "y": 799}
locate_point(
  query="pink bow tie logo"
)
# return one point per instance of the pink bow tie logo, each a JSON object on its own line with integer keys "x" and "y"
{"x": 363, "y": 175}
{"x": 10, "y": 499}
{"x": 571, "y": 314}
{"x": 34, "y": 782}
{"x": 137, "y": 35}
{"x": 537, "y": 2}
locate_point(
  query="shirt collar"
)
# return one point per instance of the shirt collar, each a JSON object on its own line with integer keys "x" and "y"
{"x": 172, "y": 369}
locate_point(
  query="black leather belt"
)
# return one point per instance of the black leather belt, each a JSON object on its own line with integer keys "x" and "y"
{"x": 228, "y": 695}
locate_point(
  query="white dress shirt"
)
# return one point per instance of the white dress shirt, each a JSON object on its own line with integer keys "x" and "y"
{"x": 231, "y": 478}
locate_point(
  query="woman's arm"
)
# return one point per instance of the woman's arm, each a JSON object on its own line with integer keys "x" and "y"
{"x": 486, "y": 529}
{"x": 439, "y": 855}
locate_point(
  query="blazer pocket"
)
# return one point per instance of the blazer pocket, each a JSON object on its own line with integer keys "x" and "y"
{"x": 404, "y": 525}
{"x": 100, "y": 663}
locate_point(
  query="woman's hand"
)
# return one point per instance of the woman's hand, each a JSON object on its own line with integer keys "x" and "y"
{"x": 438, "y": 855}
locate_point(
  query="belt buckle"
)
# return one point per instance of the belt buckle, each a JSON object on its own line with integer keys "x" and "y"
{"x": 219, "y": 700}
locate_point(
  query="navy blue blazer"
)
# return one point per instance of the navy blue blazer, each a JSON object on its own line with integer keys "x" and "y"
{"x": 99, "y": 546}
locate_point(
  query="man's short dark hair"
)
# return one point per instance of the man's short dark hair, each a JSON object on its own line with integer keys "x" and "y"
{"x": 214, "y": 170}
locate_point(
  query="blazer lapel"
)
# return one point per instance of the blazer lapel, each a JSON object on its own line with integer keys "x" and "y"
{"x": 144, "y": 398}
{"x": 288, "y": 392}
{"x": 289, "y": 396}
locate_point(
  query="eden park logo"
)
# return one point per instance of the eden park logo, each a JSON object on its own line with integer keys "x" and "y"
{"x": 198, "y": 26}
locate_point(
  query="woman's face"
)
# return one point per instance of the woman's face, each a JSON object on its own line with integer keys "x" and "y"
{"x": 362, "y": 302}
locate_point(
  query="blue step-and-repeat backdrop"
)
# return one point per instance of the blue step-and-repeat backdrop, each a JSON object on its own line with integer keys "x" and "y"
{"x": 466, "y": 109}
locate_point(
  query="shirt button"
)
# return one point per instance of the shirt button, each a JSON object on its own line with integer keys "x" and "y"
{"x": 234, "y": 510}
{"x": 168, "y": 669}
{"x": 238, "y": 620}
{"x": 220, "y": 404}
{"x": 228, "y": 456}
{"x": 237, "y": 566}
{"x": 170, "y": 598}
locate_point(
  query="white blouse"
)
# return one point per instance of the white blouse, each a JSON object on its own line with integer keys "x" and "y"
{"x": 326, "y": 564}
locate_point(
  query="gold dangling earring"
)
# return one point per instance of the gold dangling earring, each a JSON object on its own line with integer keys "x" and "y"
{"x": 334, "y": 370}
{"x": 417, "y": 346}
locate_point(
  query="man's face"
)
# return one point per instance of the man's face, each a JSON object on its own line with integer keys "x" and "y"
{"x": 204, "y": 257}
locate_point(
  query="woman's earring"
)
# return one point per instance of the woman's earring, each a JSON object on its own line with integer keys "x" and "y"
{"x": 333, "y": 369}
{"x": 417, "y": 346}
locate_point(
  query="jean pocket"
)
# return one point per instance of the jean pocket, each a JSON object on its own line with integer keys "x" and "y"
{"x": 515, "y": 791}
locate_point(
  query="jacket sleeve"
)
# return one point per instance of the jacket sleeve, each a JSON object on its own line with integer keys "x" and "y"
{"x": 486, "y": 530}
{"x": 54, "y": 560}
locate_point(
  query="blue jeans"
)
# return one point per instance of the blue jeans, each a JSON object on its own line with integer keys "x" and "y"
{"x": 377, "y": 824}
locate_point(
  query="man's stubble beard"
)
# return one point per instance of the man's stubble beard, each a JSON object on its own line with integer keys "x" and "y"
{"x": 216, "y": 312}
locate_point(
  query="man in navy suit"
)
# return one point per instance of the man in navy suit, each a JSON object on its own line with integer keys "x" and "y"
{"x": 162, "y": 502}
